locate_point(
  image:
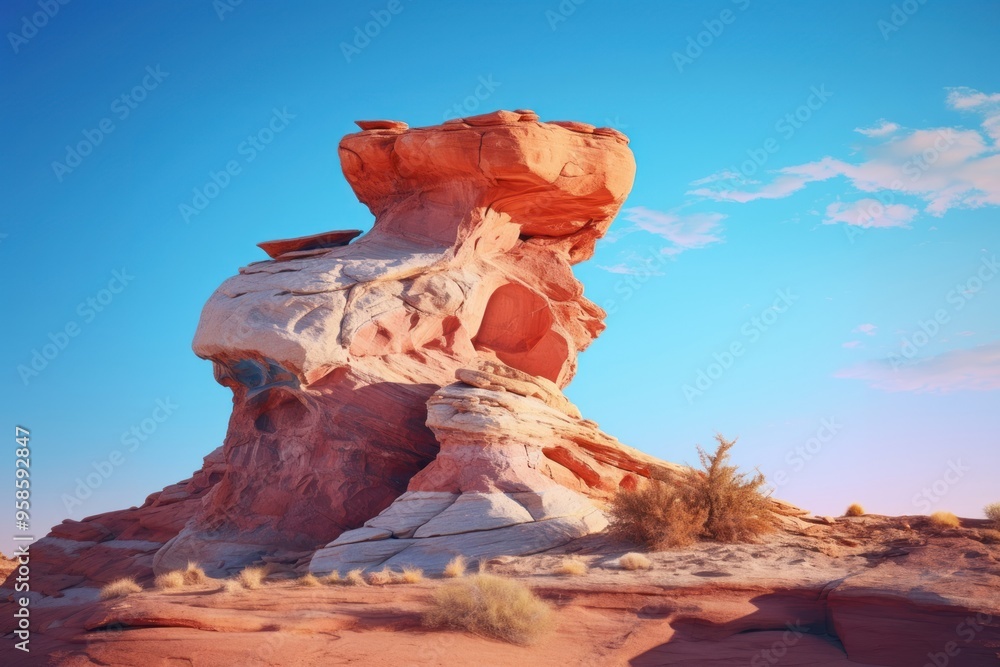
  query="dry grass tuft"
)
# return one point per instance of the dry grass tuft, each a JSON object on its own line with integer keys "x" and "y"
{"x": 634, "y": 561}
{"x": 992, "y": 512}
{"x": 355, "y": 578}
{"x": 455, "y": 567}
{"x": 572, "y": 566}
{"x": 385, "y": 576}
{"x": 308, "y": 580}
{"x": 252, "y": 577}
{"x": 412, "y": 575}
{"x": 232, "y": 586}
{"x": 333, "y": 578}
{"x": 945, "y": 520}
{"x": 854, "y": 509}
{"x": 174, "y": 579}
{"x": 119, "y": 588}
{"x": 718, "y": 503}
{"x": 989, "y": 536}
{"x": 491, "y": 606}
{"x": 194, "y": 575}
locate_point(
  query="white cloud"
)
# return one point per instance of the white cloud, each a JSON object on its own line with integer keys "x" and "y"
{"x": 683, "y": 232}
{"x": 851, "y": 344}
{"x": 867, "y": 328}
{"x": 975, "y": 369}
{"x": 946, "y": 167}
{"x": 883, "y": 128}
{"x": 869, "y": 213}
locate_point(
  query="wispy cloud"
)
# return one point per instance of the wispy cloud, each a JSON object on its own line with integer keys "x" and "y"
{"x": 851, "y": 344}
{"x": 682, "y": 231}
{"x": 883, "y": 128}
{"x": 975, "y": 369}
{"x": 869, "y": 213}
{"x": 867, "y": 328}
{"x": 946, "y": 167}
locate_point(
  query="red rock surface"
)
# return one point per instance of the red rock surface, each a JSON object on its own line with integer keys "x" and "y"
{"x": 322, "y": 241}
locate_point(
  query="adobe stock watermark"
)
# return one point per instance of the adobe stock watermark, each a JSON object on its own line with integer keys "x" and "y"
{"x": 898, "y": 17}
{"x": 935, "y": 492}
{"x": 32, "y": 23}
{"x": 629, "y": 284}
{"x": 957, "y": 298}
{"x": 561, "y": 13}
{"x": 471, "y": 102}
{"x": 223, "y": 7}
{"x": 786, "y": 127}
{"x": 121, "y": 108}
{"x": 967, "y": 629}
{"x": 777, "y": 650}
{"x": 248, "y": 150}
{"x": 363, "y": 35}
{"x": 87, "y": 311}
{"x": 797, "y": 458}
{"x": 131, "y": 440}
{"x": 751, "y": 332}
{"x": 697, "y": 43}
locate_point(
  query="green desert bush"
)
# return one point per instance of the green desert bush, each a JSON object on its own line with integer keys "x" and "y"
{"x": 491, "y": 606}
{"x": 718, "y": 503}
{"x": 119, "y": 588}
{"x": 855, "y": 509}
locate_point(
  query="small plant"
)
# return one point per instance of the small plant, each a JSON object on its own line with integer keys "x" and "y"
{"x": 572, "y": 566}
{"x": 491, "y": 606}
{"x": 634, "y": 561}
{"x": 945, "y": 520}
{"x": 385, "y": 576}
{"x": 194, "y": 575}
{"x": 992, "y": 512}
{"x": 413, "y": 575}
{"x": 232, "y": 586}
{"x": 989, "y": 536}
{"x": 355, "y": 578}
{"x": 119, "y": 588}
{"x": 333, "y": 578}
{"x": 252, "y": 577}
{"x": 173, "y": 579}
{"x": 308, "y": 580}
{"x": 718, "y": 503}
{"x": 854, "y": 509}
{"x": 455, "y": 567}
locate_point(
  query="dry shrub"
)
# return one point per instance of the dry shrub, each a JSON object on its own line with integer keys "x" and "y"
{"x": 232, "y": 586}
{"x": 119, "y": 588}
{"x": 655, "y": 516}
{"x": 308, "y": 580}
{"x": 355, "y": 578}
{"x": 333, "y": 578}
{"x": 385, "y": 576}
{"x": 572, "y": 566}
{"x": 194, "y": 575}
{"x": 718, "y": 503}
{"x": 992, "y": 512}
{"x": 173, "y": 579}
{"x": 945, "y": 520}
{"x": 491, "y": 606}
{"x": 989, "y": 536}
{"x": 854, "y": 509}
{"x": 634, "y": 561}
{"x": 252, "y": 577}
{"x": 455, "y": 567}
{"x": 412, "y": 575}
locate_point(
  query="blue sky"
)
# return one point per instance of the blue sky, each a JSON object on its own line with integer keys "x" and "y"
{"x": 817, "y": 190}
